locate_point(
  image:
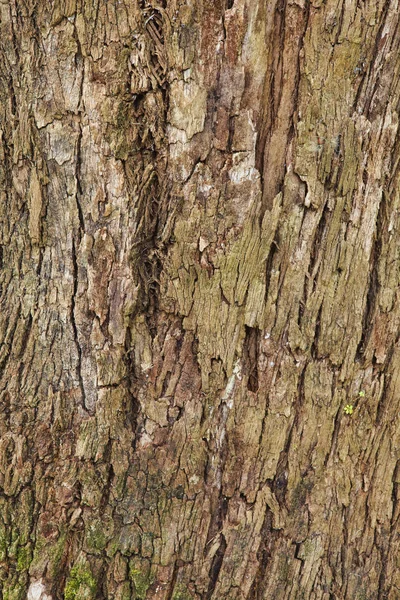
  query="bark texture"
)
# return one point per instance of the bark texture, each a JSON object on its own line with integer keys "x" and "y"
{"x": 200, "y": 234}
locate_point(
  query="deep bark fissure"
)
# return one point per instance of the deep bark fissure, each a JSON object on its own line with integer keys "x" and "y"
{"x": 74, "y": 326}
{"x": 264, "y": 555}
{"x": 373, "y": 284}
{"x": 216, "y": 566}
{"x": 250, "y": 358}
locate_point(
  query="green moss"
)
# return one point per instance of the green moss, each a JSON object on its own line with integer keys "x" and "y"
{"x": 125, "y": 592}
{"x": 49, "y": 554}
{"x": 96, "y": 538}
{"x": 80, "y": 585}
{"x": 3, "y": 544}
{"x": 14, "y": 594}
{"x": 24, "y": 558}
{"x": 13, "y": 590}
{"x": 56, "y": 554}
{"x": 112, "y": 548}
{"x": 141, "y": 583}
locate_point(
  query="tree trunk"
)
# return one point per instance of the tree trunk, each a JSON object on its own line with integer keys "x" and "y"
{"x": 200, "y": 317}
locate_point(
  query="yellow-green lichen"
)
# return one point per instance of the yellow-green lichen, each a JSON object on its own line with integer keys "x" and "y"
{"x": 3, "y": 542}
{"x": 24, "y": 558}
{"x": 96, "y": 538}
{"x": 141, "y": 583}
{"x": 13, "y": 590}
{"x": 80, "y": 584}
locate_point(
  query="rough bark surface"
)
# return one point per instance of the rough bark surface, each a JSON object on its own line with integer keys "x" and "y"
{"x": 200, "y": 233}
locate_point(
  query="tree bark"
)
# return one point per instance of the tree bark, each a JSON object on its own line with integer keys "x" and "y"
{"x": 200, "y": 317}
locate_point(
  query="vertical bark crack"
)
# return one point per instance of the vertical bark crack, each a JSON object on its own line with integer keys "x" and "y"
{"x": 250, "y": 357}
{"x": 216, "y": 567}
{"x": 74, "y": 326}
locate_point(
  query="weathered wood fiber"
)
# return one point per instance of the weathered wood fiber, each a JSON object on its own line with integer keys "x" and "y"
{"x": 200, "y": 233}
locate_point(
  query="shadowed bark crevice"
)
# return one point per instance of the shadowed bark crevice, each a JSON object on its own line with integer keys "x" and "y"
{"x": 250, "y": 357}
{"x": 216, "y": 567}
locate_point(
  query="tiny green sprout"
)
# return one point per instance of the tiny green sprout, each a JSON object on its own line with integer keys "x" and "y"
{"x": 361, "y": 394}
{"x": 348, "y": 409}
